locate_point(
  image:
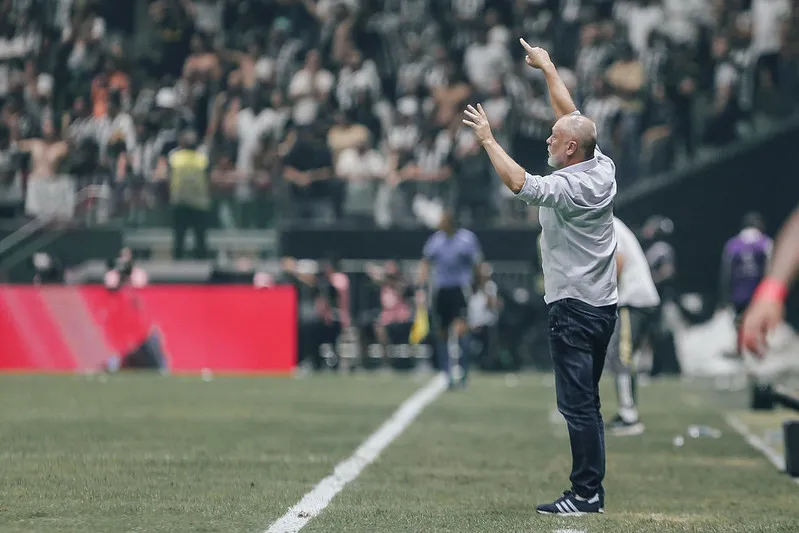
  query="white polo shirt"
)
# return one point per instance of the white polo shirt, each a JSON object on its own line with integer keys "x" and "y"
{"x": 578, "y": 241}
{"x": 636, "y": 287}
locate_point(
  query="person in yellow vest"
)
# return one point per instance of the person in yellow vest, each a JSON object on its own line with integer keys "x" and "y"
{"x": 190, "y": 195}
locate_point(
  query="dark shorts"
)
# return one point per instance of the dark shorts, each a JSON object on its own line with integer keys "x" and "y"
{"x": 449, "y": 304}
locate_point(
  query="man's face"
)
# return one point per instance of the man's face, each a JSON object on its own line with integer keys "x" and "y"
{"x": 560, "y": 146}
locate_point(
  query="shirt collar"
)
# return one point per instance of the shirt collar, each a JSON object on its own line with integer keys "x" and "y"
{"x": 581, "y": 166}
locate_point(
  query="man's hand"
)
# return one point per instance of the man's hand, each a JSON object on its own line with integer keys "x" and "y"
{"x": 536, "y": 57}
{"x": 762, "y": 317}
{"x": 765, "y": 313}
{"x": 478, "y": 121}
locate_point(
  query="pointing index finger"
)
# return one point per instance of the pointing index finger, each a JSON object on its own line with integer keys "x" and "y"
{"x": 526, "y": 46}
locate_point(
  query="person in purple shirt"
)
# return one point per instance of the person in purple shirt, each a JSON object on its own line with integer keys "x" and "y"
{"x": 744, "y": 264}
{"x": 454, "y": 255}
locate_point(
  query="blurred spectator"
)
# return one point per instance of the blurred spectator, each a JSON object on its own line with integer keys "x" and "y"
{"x": 450, "y": 95}
{"x": 768, "y": 34}
{"x": 626, "y": 78}
{"x": 425, "y": 174}
{"x": 346, "y": 133}
{"x": 662, "y": 78}
{"x": 311, "y": 85}
{"x": 115, "y": 122}
{"x": 50, "y": 193}
{"x": 474, "y": 201}
{"x": 308, "y": 168}
{"x": 395, "y": 318}
{"x": 361, "y": 167}
{"x": 658, "y": 135}
{"x": 324, "y": 309}
{"x": 485, "y": 62}
{"x": 11, "y": 192}
{"x": 727, "y": 79}
{"x": 189, "y": 194}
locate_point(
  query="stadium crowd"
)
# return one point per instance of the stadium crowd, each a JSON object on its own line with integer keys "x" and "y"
{"x": 349, "y": 110}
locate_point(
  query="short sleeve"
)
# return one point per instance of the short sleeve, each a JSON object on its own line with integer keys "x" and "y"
{"x": 553, "y": 191}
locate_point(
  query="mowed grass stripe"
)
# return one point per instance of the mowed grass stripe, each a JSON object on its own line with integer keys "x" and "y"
{"x": 167, "y": 454}
{"x": 317, "y": 500}
{"x": 480, "y": 460}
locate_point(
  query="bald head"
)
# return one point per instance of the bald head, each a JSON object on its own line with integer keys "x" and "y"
{"x": 573, "y": 140}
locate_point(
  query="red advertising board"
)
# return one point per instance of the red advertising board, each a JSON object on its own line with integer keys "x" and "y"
{"x": 234, "y": 329}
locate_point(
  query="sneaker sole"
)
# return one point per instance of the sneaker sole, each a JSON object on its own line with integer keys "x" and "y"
{"x": 628, "y": 431}
{"x": 601, "y": 511}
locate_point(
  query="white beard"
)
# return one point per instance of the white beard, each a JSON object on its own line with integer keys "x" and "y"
{"x": 551, "y": 161}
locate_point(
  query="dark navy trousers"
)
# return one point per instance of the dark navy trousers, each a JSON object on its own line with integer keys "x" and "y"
{"x": 579, "y": 334}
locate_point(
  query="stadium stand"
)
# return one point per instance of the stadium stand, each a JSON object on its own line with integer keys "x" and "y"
{"x": 364, "y": 97}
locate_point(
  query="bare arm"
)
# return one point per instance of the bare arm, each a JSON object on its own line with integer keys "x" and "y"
{"x": 767, "y": 309}
{"x": 559, "y": 95}
{"x": 785, "y": 260}
{"x": 511, "y": 173}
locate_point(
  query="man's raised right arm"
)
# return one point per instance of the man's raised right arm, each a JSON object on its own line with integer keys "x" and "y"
{"x": 559, "y": 95}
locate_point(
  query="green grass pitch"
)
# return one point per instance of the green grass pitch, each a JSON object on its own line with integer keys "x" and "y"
{"x": 177, "y": 454}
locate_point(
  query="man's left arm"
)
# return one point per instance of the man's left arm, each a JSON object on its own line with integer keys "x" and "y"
{"x": 550, "y": 191}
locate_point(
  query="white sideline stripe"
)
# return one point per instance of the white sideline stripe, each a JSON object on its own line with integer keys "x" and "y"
{"x": 757, "y": 443}
{"x": 569, "y": 531}
{"x": 323, "y": 493}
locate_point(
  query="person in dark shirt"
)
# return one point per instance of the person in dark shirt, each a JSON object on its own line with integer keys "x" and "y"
{"x": 323, "y": 307}
{"x": 744, "y": 264}
{"x": 663, "y": 263}
{"x": 308, "y": 171}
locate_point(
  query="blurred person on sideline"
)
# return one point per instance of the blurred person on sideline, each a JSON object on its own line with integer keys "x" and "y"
{"x": 323, "y": 301}
{"x": 483, "y": 315}
{"x": 662, "y": 261}
{"x": 744, "y": 264}
{"x": 393, "y": 324}
{"x": 578, "y": 249}
{"x": 638, "y": 304}
{"x": 136, "y": 340}
{"x": 190, "y": 195}
{"x": 767, "y": 309}
{"x": 454, "y": 255}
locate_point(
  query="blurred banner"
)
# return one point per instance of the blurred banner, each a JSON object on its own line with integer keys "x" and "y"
{"x": 186, "y": 328}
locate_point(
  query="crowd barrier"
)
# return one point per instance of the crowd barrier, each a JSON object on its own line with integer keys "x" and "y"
{"x": 224, "y": 329}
